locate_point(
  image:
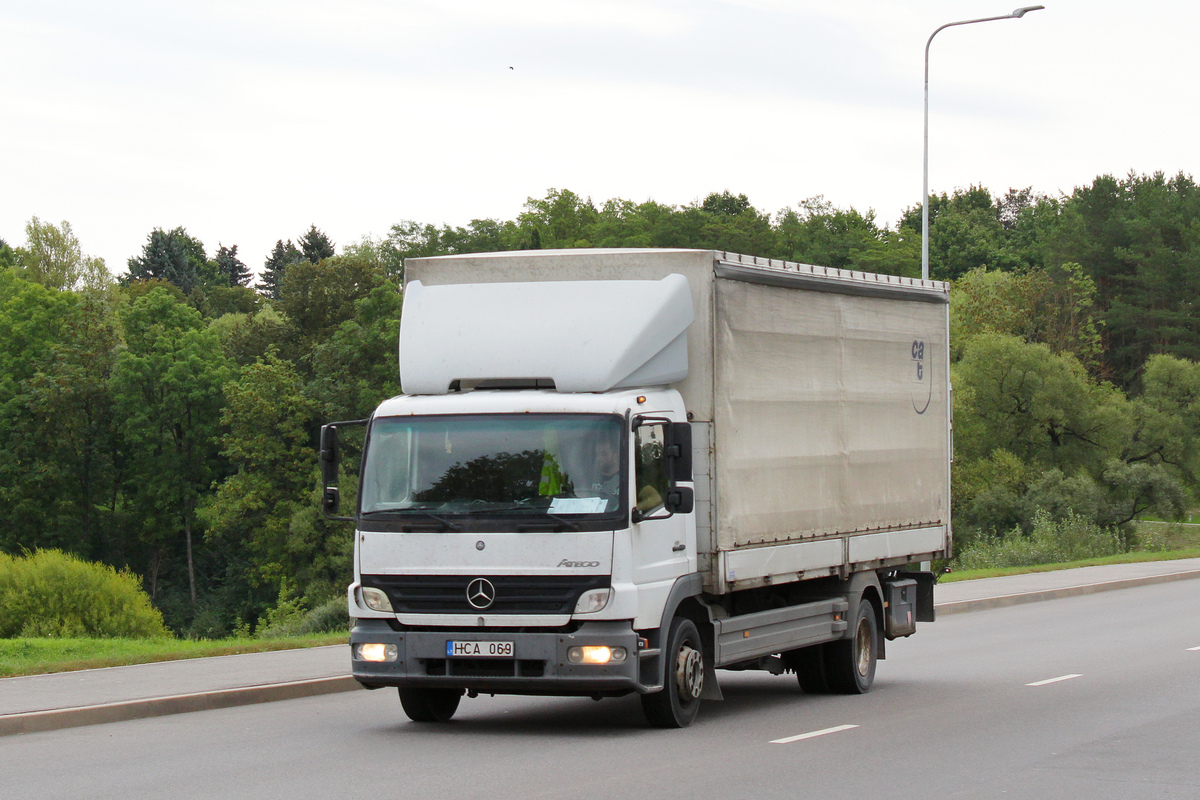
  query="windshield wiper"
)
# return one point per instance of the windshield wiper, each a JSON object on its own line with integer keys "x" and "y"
{"x": 560, "y": 522}
{"x": 446, "y": 525}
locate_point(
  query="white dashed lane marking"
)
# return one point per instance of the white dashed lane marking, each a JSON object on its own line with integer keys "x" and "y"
{"x": 813, "y": 734}
{"x": 1054, "y": 680}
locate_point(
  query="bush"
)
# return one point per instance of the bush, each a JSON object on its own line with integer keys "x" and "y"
{"x": 1073, "y": 538}
{"x": 51, "y": 593}
{"x": 329, "y": 617}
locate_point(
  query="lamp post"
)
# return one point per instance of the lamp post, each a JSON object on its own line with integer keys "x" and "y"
{"x": 1020, "y": 12}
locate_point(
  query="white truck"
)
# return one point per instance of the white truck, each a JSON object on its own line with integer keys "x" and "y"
{"x": 617, "y": 471}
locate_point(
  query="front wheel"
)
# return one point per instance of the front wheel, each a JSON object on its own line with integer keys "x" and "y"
{"x": 429, "y": 705}
{"x": 850, "y": 663}
{"x": 676, "y": 705}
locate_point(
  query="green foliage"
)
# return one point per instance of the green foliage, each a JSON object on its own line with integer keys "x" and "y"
{"x": 267, "y": 442}
{"x": 52, "y": 257}
{"x": 1037, "y": 404}
{"x": 290, "y": 617}
{"x": 51, "y": 593}
{"x": 168, "y": 392}
{"x": 1051, "y": 541}
{"x": 1053, "y": 307}
{"x": 275, "y": 267}
{"x": 231, "y": 268}
{"x": 8, "y": 257}
{"x": 318, "y": 298}
{"x": 315, "y": 245}
{"x": 354, "y": 368}
{"x": 167, "y": 424}
{"x": 175, "y": 257}
{"x": 1139, "y": 239}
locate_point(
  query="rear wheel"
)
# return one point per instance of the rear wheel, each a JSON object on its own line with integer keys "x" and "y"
{"x": 429, "y": 705}
{"x": 850, "y": 663}
{"x": 676, "y": 705}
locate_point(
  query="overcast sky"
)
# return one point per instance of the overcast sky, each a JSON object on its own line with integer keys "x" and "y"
{"x": 245, "y": 122}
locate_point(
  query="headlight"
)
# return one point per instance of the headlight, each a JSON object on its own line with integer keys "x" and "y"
{"x": 593, "y": 601}
{"x": 596, "y": 654}
{"x": 376, "y": 599}
{"x": 376, "y": 651}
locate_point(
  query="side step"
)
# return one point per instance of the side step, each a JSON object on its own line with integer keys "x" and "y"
{"x": 778, "y": 630}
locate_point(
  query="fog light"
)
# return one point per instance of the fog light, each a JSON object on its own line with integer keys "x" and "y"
{"x": 596, "y": 654}
{"x": 593, "y": 601}
{"x": 376, "y": 599}
{"x": 376, "y": 651}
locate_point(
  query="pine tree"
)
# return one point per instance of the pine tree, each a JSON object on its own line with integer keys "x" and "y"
{"x": 282, "y": 257}
{"x": 230, "y": 267}
{"x": 316, "y": 245}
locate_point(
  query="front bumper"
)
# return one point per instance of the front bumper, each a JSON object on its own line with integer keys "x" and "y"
{"x": 539, "y": 665}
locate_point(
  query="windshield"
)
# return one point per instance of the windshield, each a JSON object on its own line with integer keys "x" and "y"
{"x": 551, "y": 465}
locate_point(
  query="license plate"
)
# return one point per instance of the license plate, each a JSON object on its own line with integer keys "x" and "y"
{"x": 479, "y": 649}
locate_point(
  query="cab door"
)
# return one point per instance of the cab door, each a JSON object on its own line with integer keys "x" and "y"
{"x": 663, "y": 540}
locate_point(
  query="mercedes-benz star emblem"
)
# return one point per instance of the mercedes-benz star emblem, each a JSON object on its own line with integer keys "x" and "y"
{"x": 481, "y": 593}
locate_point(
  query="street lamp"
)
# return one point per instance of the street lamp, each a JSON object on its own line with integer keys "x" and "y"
{"x": 1020, "y": 12}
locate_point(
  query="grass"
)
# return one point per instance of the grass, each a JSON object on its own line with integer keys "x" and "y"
{"x": 41, "y": 656}
{"x": 1160, "y": 541}
{"x": 1134, "y": 557}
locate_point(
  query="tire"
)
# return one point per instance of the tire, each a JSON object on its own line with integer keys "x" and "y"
{"x": 429, "y": 705}
{"x": 676, "y": 705}
{"x": 809, "y": 666}
{"x": 850, "y": 663}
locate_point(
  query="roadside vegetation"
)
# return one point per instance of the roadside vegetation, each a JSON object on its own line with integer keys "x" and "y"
{"x": 1083, "y": 545}
{"x": 161, "y": 419}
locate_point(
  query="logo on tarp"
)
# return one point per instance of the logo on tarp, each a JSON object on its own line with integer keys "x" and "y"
{"x": 922, "y": 380}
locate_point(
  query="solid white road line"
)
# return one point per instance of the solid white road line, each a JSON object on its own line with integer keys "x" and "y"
{"x": 1053, "y": 680}
{"x": 838, "y": 729}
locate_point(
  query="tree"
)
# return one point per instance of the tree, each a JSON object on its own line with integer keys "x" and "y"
{"x": 1039, "y": 405}
{"x": 1054, "y": 307}
{"x": 230, "y": 267}
{"x": 172, "y": 256}
{"x": 317, "y": 298}
{"x": 33, "y": 328}
{"x": 731, "y": 223}
{"x": 1139, "y": 240}
{"x": 168, "y": 390}
{"x": 275, "y": 268}
{"x": 561, "y": 219}
{"x": 820, "y": 234}
{"x": 268, "y": 443}
{"x": 52, "y": 257}
{"x": 315, "y": 245}
{"x": 8, "y": 257}
{"x": 355, "y": 367}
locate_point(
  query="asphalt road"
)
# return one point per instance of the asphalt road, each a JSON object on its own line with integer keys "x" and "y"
{"x": 1095, "y": 696}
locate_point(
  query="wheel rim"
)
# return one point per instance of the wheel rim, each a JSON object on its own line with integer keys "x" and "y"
{"x": 863, "y": 647}
{"x": 689, "y": 672}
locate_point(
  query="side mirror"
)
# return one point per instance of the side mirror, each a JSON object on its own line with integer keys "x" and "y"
{"x": 680, "y": 500}
{"x": 672, "y": 464}
{"x": 331, "y": 456}
{"x": 679, "y": 452}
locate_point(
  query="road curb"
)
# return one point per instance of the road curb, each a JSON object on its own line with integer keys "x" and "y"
{"x": 1002, "y": 601}
{"x": 56, "y": 719}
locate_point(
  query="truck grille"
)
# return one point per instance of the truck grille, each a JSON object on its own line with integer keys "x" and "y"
{"x": 447, "y": 594}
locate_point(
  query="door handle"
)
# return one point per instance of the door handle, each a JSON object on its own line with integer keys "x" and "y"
{"x": 678, "y": 548}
